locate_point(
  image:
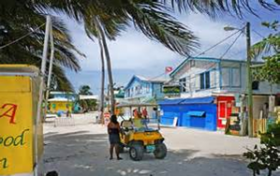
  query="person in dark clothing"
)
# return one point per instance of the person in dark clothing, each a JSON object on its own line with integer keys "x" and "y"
{"x": 114, "y": 138}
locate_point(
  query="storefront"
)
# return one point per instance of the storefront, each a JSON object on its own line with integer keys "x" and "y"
{"x": 191, "y": 112}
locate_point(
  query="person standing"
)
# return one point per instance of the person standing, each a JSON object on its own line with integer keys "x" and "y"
{"x": 114, "y": 137}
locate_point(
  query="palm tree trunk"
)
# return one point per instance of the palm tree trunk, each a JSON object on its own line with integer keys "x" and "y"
{"x": 108, "y": 61}
{"x": 101, "y": 107}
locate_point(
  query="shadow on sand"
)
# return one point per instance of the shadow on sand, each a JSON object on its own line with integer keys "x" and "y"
{"x": 84, "y": 154}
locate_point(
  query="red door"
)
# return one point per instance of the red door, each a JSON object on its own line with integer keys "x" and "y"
{"x": 224, "y": 105}
{"x": 222, "y": 113}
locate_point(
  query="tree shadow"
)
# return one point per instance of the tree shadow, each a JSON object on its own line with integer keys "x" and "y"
{"x": 85, "y": 154}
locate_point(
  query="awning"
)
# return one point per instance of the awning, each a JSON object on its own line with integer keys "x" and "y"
{"x": 196, "y": 113}
{"x": 204, "y": 100}
{"x": 170, "y": 101}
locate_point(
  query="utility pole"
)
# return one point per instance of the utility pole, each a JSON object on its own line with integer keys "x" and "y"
{"x": 249, "y": 81}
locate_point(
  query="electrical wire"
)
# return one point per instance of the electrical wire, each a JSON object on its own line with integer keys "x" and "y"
{"x": 258, "y": 33}
{"x": 211, "y": 66}
{"x": 22, "y": 37}
{"x": 210, "y": 48}
{"x": 231, "y": 45}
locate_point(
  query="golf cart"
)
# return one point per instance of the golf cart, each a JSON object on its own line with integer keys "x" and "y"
{"x": 141, "y": 140}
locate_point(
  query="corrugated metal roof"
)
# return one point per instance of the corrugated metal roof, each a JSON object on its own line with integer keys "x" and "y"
{"x": 170, "y": 101}
{"x": 203, "y": 100}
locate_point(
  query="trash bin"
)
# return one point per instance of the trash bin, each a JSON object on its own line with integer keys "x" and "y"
{"x": 19, "y": 134}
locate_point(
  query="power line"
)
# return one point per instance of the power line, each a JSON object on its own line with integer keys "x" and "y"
{"x": 213, "y": 65}
{"x": 203, "y": 52}
{"x": 231, "y": 45}
{"x": 258, "y": 33}
{"x": 22, "y": 37}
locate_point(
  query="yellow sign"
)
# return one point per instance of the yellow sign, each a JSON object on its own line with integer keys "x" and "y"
{"x": 16, "y": 125}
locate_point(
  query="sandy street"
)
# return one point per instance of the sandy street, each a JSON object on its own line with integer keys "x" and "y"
{"x": 82, "y": 150}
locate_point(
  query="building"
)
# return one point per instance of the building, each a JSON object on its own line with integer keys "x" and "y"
{"x": 140, "y": 89}
{"x": 223, "y": 79}
{"x": 142, "y": 93}
{"x": 61, "y": 102}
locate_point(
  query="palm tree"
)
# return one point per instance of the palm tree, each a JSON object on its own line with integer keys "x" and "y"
{"x": 149, "y": 16}
{"x": 29, "y": 49}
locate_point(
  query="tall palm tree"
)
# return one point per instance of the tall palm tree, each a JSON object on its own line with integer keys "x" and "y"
{"x": 149, "y": 16}
{"x": 29, "y": 50}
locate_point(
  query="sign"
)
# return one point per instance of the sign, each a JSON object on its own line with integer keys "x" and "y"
{"x": 16, "y": 143}
{"x": 175, "y": 120}
{"x": 106, "y": 116}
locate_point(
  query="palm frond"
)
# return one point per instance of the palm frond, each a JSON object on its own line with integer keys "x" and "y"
{"x": 214, "y": 7}
{"x": 268, "y": 44}
{"x": 157, "y": 24}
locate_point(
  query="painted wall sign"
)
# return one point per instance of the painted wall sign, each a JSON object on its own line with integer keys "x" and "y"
{"x": 16, "y": 132}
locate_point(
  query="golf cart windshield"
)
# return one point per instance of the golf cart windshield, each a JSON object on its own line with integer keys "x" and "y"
{"x": 136, "y": 124}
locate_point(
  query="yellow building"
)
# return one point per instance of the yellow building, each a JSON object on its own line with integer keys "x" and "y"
{"x": 60, "y": 105}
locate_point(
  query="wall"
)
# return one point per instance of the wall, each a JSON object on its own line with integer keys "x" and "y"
{"x": 157, "y": 90}
{"x": 209, "y": 122}
{"x": 56, "y": 106}
{"x": 264, "y": 87}
{"x": 191, "y": 73}
{"x": 234, "y": 82}
{"x": 145, "y": 89}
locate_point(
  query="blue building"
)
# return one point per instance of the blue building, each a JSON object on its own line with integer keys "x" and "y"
{"x": 140, "y": 89}
{"x": 190, "y": 112}
{"x": 142, "y": 93}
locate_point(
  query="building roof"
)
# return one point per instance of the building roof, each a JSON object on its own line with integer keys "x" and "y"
{"x": 88, "y": 97}
{"x": 200, "y": 100}
{"x": 211, "y": 59}
{"x": 59, "y": 99}
{"x": 60, "y": 92}
{"x": 144, "y": 79}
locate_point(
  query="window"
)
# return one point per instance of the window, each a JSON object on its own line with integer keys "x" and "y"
{"x": 231, "y": 77}
{"x": 192, "y": 63}
{"x": 255, "y": 85}
{"x": 205, "y": 80}
{"x": 225, "y": 77}
{"x": 213, "y": 78}
{"x": 147, "y": 88}
{"x": 235, "y": 77}
{"x": 182, "y": 83}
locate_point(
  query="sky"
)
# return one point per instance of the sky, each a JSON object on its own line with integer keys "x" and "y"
{"x": 134, "y": 54}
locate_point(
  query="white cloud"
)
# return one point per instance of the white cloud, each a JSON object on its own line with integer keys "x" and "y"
{"x": 132, "y": 50}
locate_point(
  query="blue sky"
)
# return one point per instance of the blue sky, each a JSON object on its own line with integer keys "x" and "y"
{"x": 133, "y": 53}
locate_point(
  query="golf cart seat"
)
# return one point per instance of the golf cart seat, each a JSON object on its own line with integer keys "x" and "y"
{"x": 126, "y": 125}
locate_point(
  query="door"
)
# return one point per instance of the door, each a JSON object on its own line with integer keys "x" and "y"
{"x": 222, "y": 114}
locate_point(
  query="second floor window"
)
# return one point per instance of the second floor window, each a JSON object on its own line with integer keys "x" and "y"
{"x": 183, "y": 84}
{"x": 205, "y": 80}
{"x": 231, "y": 77}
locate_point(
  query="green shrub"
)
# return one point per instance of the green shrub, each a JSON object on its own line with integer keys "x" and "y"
{"x": 267, "y": 156}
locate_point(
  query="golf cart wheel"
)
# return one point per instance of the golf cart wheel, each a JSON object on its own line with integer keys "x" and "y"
{"x": 136, "y": 152}
{"x": 160, "y": 151}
